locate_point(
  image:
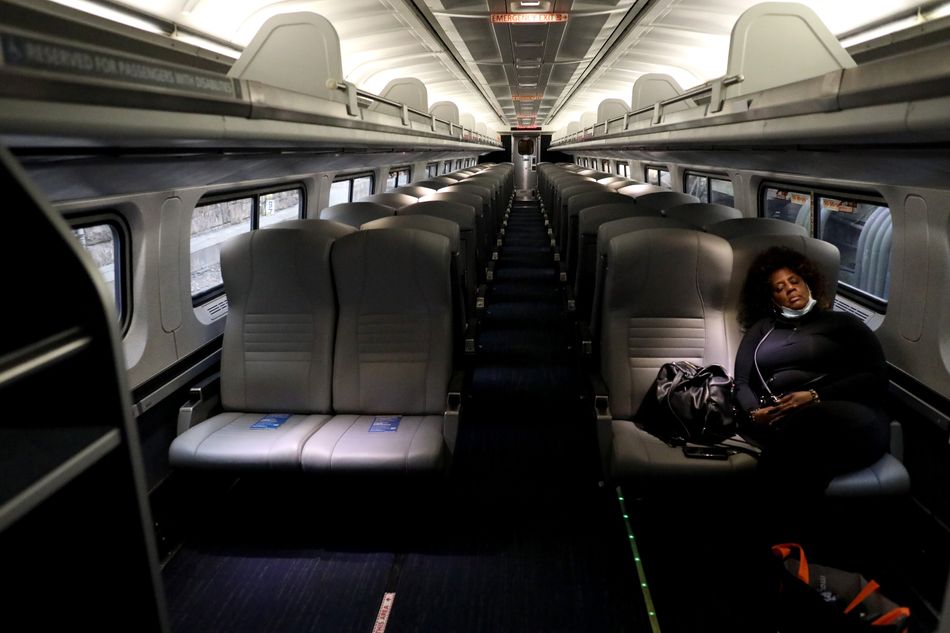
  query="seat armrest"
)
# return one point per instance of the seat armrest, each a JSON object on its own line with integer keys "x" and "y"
{"x": 453, "y": 409}
{"x": 604, "y": 420}
{"x": 897, "y": 440}
{"x": 202, "y": 400}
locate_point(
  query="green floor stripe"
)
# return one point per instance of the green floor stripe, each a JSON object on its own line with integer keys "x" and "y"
{"x": 644, "y": 588}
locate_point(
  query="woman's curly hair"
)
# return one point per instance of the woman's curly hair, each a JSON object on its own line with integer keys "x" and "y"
{"x": 756, "y": 300}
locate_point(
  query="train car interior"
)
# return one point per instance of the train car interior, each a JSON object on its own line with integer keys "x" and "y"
{"x": 348, "y": 310}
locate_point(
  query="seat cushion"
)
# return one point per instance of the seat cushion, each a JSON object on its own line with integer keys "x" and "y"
{"x": 886, "y": 476}
{"x": 639, "y": 458}
{"x": 368, "y": 443}
{"x": 245, "y": 440}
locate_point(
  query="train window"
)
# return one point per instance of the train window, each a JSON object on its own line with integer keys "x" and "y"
{"x": 362, "y": 187}
{"x": 710, "y": 189}
{"x": 339, "y": 192}
{"x": 397, "y": 178}
{"x": 659, "y": 177}
{"x": 623, "y": 169}
{"x": 350, "y": 189}
{"x": 212, "y": 224}
{"x": 446, "y": 167}
{"x": 432, "y": 170}
{"x": 104, "y": 242}
{"x": 458, "y": 164}
{"x": 862, "y": 233}
{"x": 605, "y": 165}
{"x": 860, "y": 228}
{"x": 278, "y": 206}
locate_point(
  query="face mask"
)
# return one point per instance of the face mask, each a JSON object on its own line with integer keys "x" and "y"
{"x": 789, "y": 313}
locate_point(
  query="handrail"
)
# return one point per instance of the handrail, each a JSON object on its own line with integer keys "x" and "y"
{"x": 657, "y": 108}
{"x": 406, "y": 111}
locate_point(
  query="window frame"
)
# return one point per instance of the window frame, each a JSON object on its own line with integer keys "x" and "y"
{"x": 659, "y": 177}
{"x": 623, "y": 166}
{"x": 255, "y": 194}
{"x": 122, "y": 262}
{"x": 709, "y": 176}
{"x": 432, "y": 169}
{"x": 397, "y": 171}
{"x": 351, "y": 178}
{"x": 855, "y": 294}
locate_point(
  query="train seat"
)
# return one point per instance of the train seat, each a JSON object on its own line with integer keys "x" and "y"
{"x": 463, "y": 303}
{"x": 653, "y": 314}
{"x": 391, "y": 199}
{"x": 702, "y": 214}
{"x": 356, "y": 214}
{"x": 738, "y": 227}
{"x": 662, "y": 200}
{"x": 392, "y": 358}
{"x": 466, "y": 217}
{"x": 415, "y": 191}
{"x": 605, "y": 233}
{"x": 575, "y": 205}
{"x": 276, "y": 358}
{"x": 885, "y": 477}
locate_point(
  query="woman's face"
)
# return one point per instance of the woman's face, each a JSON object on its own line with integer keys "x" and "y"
{"x": 789, "y": 289}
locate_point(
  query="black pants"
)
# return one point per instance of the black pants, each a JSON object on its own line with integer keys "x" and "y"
{"x": 804, "y": 451}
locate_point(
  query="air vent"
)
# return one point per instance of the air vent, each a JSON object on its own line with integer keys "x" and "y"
{"x": 217, "y": 308}
{"x": 846, "y": 306}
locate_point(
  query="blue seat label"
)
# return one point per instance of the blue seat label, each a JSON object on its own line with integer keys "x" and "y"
{"x": 385, "y": 424}
{"x": 271, "y": 421}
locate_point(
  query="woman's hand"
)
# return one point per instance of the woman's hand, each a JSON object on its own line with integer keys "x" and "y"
{"x": 788, "y": 403}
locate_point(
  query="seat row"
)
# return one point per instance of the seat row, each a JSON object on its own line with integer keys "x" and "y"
{"x": 672, "y": 293}
{"x": 337, "y": 354}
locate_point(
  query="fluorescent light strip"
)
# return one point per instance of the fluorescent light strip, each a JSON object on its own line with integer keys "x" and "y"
{"x": 112, "y": 14}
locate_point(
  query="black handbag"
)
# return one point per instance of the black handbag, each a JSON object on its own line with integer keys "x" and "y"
{"x": 689, "y": 404}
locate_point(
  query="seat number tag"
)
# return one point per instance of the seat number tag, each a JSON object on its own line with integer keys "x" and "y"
{"x": 385, "y": 424}
{"x": 271, "y": 421}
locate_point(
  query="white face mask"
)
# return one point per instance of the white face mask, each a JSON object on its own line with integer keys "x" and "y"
{"x": 790, "y": 313}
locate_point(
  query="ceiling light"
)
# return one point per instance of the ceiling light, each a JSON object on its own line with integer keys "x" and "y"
{"x": 116, "y": 15}
{"x": 528, "y": 85}
{"x": 530, "y": 3}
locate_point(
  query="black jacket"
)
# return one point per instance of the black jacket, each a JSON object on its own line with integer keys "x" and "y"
{"x": 831, "y": 352}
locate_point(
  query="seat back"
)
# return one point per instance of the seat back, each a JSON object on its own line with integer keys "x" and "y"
{"x": 664, "y": 300}
{"x": 415, "y": 191}
{"x": 663, "y": 200}
{"x": 326, "y": 227}
{"x": 575, "y": 205}
{"x": 738, "y": 227}
{"x": 701, "y": 214}
{"x": 606, "y": 232}
{"x": 393, "y": 352}
{"x": 466, "y": 217}
{"x": 356, "y": 214}
{"x": 278, "y": 340}
{"x": 641, "y": 189}
{"x": 463, "y": 292}
{"x": 560, "y": 219}
{"x": 391, "y": 199}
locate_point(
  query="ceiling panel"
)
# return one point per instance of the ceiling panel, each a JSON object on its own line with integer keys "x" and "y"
{"x": 479, "y": 38}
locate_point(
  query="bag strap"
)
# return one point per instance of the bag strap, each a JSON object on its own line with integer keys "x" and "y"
{"x": 869, "y": 588}
{"x": 785, "y": 550}
{"x": 892, "y": 616}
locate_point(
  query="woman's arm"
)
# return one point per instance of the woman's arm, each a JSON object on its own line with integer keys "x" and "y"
{"x": 864, "y": 374}
{"x": 745, "y": 369}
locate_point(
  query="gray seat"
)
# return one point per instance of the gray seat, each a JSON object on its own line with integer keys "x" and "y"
{"x": 663, "y": 200}
{"x": 466, "y": 218}
{"x": 329, "y": 228}
{"x": 356, "y": 214}
{"x": 738, "y": 227}
{"x": 391, "y": 199}
{"x": 575, "y": 205}
{"x": 701, "y": 214}
{"x": 463, "y": 292}
{"x": 431, "y": 183}
{"x": 392, "y": 357}
{"x": 276, "y": 357}
{"x": 885, "y": 477}
{"x": 415, "y": 191}
{"x": 606, "y": 232}
{"x": 615, "y": 185}
{"x": 561, "y": 216}
{"x": 487, "y": 221}
{"x": 641, "y": 189}
{"x": 653, "y": 314}
{"x": 483, "y": 234}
